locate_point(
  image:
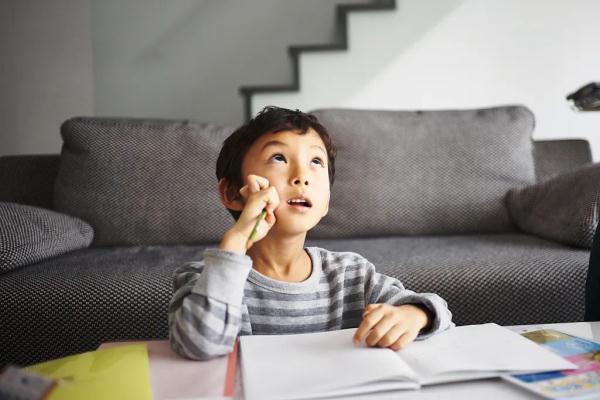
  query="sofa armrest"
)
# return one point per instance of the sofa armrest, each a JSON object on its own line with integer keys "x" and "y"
{"x": 564, "y": 209}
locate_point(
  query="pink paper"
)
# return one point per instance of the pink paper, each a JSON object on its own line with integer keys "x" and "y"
{"x": 175, "y": 377}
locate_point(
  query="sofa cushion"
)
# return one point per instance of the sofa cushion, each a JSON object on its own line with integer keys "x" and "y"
{"x": 142, "y": 181}
{"x": 425, "y": 172}
{"x": 565, "y": 208}
{"x": 509, "y": 278}
{"x": 31, "y": 234}
{"x": 75, "y": 302}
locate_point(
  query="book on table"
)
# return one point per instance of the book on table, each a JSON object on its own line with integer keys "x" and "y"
{"x": 326, "y": 364}
{"x": 582, "y": 383}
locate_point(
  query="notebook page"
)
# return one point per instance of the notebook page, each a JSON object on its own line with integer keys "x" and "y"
{"x": 317, "y": 364}
{"x": 468, "y": 352}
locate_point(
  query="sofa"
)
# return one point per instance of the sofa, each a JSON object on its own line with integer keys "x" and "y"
{"x": 462, "y": 203}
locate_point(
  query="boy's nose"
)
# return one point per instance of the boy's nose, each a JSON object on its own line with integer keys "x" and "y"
{"x": 300, "y": 181}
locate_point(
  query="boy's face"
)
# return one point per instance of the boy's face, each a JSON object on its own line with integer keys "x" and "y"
{"x": 296, "y": 165}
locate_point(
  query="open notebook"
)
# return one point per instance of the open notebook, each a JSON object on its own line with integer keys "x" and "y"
{"x": 324, "y": 364}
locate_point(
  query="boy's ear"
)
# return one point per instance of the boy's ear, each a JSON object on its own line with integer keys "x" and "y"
{"x": 230, "y": 197}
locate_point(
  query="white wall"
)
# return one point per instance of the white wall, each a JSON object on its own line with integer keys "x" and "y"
{"x": 188, "y": 58}
{"x": 142, "y": 58}
{"x": 45, "y": 72}
{"x": 461, "y": 54}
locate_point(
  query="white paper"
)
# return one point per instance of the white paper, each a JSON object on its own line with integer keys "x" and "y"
{"x": 467, "y": 352}
{"x": 317, "y": 364}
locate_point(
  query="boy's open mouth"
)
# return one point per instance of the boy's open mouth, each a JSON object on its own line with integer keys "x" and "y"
{"x": 300, "y": 201}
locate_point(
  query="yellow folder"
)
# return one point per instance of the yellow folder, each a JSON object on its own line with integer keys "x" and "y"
{"x": 120, "y": 372}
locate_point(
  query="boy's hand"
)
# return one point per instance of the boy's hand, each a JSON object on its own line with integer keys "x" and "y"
{"x": 257, "y": 195}
{"x": 384, "y": 325}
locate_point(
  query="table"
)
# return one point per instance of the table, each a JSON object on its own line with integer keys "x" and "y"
{"x": 176, "y": 378}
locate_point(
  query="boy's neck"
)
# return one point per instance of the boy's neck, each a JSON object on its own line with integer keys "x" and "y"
{"x": 281, "y": 259}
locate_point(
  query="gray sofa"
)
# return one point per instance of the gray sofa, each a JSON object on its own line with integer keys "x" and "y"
{"x": 421, "y": 194}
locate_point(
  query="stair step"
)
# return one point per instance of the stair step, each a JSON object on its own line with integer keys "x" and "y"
{"x": 294, "y": 51}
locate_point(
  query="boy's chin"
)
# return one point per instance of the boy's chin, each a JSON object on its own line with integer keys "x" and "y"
{"x": 289, "y": 228}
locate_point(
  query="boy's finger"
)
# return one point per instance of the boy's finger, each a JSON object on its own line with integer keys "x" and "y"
{"x": 366, "y": 325}
{"x": 391, "y": 336}
{"x": 273, "y": 198}
{"x": 244, "y": 192}
{"x": 379, "y": 331}
{"x": 265, "y": 199}
{"x": 403, "y": 341}
{"x": 369, "y": 308}
{"x": 257, "y": 183}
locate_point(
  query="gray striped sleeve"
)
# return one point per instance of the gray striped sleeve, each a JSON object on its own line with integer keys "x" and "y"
{"x": 205, "y": 311}
{"x": 385, "y": 289}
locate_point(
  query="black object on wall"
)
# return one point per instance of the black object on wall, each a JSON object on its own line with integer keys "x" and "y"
{"x": 587, "y": 98}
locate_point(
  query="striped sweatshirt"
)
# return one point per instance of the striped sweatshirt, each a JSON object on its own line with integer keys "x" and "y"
{"x": 222, "y": 296}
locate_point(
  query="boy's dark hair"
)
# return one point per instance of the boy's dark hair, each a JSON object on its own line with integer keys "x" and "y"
{"x": 270, "y": 119}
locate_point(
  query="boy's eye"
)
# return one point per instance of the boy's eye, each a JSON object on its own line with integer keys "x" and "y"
{"x": 317, "y": 161}
{"x": 278, "y": 158}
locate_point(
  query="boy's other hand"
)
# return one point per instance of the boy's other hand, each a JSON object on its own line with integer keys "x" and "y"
{"x": 385, "y": 325}
{"x": 257, "y": 196}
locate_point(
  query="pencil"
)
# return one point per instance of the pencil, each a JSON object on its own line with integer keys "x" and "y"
{"x": 262, "y": 216}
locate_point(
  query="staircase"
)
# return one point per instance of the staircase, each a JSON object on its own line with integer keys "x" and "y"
{"x": 341, "y": 43}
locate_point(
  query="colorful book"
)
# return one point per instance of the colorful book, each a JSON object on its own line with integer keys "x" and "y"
{"x": 581, "y": 383}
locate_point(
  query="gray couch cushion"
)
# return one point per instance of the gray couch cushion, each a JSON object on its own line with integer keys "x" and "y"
{"x": 429, "y": 172}
{"x": 30, "y": 234}
{"x": 554, "y": 157}
{"x": 509, "y": 279}
{"x": 85, "y": 298}
{"x": 142, "y": 181}
{"x": 565, "y": 208}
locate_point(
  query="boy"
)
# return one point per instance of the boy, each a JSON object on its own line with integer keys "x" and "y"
{"x": 282, "y": 162}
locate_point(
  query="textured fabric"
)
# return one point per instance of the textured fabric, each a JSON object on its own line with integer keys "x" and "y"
{"x": 203, "y": 322}
{"x": 429, "y": 172}
{"x": 565, "y": 208}
{"x": 30, "y": 234}
{"x": 142, "y": 181}
{"x": 28, "y": 179}
{"x": 509, "y": 279}
{"x": 553, "y": 157}
{"x": 74, "y": 302}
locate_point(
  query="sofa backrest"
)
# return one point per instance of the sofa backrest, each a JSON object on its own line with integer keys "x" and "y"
{"x": 142, "y": 181}
{"x": 29, "y": 179}
{"x": 553, "y": 157}
{"x": 433, "y": 172}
